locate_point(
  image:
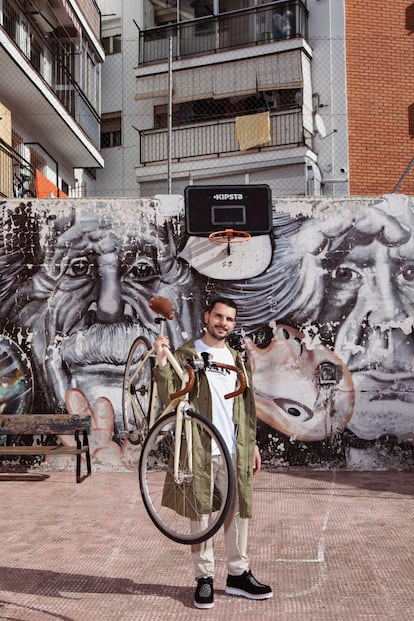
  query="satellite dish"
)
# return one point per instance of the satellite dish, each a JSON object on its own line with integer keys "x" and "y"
{"x": 320, "y": 125}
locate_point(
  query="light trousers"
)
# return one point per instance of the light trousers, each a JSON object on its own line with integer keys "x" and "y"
{"x": 235, "y": 534}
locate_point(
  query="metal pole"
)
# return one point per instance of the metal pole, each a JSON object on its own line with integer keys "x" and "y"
{"x": 169, "y": 132}
{"x": 403, "y": 176}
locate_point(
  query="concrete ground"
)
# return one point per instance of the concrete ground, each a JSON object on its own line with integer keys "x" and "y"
{"x": 335, "y": 546}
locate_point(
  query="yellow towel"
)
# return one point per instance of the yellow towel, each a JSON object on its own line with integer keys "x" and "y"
{"x": 253, "y": 130}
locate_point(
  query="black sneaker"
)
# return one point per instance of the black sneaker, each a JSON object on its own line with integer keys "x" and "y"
{"x": 204, "y": 595}
{"x": 246, "y": 585}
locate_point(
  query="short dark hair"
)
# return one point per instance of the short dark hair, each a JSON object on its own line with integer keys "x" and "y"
{"x": 221, "y": 300}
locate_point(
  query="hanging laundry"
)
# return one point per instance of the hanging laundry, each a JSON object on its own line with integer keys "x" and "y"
{"x": 253, "y": 130}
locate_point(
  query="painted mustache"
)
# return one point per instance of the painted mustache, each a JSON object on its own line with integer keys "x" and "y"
{"x": 101, "y": 344}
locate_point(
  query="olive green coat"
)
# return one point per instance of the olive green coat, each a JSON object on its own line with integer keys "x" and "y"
{"x": 244, "y": 418}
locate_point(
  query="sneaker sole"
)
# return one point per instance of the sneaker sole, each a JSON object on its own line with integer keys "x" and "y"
{"x": 203, "y": 606}
{"x": 233, "y": 591}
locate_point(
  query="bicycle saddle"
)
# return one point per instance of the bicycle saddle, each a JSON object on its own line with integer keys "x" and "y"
{"x": 162, "y": 306}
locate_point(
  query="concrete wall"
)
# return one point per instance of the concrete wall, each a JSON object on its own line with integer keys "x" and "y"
{"x": 325, "y": 313}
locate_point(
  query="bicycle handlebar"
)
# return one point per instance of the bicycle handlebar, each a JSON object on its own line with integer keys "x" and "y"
{"x": 192, "y": 366}
{"x": 190, "y": 382}
{"x": 240, "y": 374}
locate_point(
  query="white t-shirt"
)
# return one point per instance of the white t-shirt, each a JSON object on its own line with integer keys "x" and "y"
{"x": 221, "y": 382}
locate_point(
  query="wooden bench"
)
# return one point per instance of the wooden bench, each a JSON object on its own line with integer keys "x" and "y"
{"x": 47, "y": 425}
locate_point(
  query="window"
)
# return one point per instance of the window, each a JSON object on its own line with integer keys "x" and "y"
{"x": 37, "y": 161}
{"x": 166, "y": 12}
{"x": 90, "y": 82}
{"x": 112, "y": 45}
{"x": 111, "y": 130}
{"x": 204, "y": 110}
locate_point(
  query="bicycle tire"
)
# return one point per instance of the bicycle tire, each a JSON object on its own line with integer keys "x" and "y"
{"x": 137, "y": 390}
{"x": 155, "y": 472}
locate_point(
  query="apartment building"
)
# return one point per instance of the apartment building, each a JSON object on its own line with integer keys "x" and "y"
{"x": 298, "y": 94}
{"x": 222, "y": 92}
{"x": 50, "y": 90}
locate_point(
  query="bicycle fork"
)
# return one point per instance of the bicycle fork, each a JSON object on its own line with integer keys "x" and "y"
{"x": 183, "y": 475}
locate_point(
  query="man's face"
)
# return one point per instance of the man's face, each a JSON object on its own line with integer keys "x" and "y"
{"x": 220, "y": 321}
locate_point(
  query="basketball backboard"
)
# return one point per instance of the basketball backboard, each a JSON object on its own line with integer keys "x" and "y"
{"x": 243, "y": 214}
{"x": 211, "y": 208}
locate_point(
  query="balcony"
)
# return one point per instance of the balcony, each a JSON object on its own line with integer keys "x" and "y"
{"x": 39, "y": 67}
{"x": 217, "y": 138}
{"x": 45, "y": 56}
{"x": 266, "y": 23}
{"x": 92, "y": 14}
{"x": 17, "y": 175}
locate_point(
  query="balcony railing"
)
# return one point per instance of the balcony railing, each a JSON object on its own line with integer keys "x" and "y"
{"x": 216, "y": 138}
{"x": 17, "y": 175}
{"x": 45, "y": 59}
{"x": 247, "y": 27}
{"x": 92, "y": 12}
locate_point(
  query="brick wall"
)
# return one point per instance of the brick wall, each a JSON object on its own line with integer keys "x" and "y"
{"x": 380, "y": 83}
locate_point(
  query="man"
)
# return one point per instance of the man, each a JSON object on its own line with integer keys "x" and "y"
{"x": 236, "y": 420}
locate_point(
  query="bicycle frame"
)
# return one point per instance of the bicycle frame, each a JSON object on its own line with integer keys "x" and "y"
{"x": 179, "y": 403}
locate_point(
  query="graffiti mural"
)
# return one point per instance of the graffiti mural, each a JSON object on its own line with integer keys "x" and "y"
{"x": 325, "y": 316}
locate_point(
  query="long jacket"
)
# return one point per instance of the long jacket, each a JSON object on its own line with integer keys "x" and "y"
{"x": 244, "y": 419}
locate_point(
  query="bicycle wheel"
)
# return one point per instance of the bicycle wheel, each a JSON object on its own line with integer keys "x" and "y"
{"x": 175, "y": 504}
{"x": 137, "y": 390}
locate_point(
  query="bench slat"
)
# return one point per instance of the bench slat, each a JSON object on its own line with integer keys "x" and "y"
{"x": 40, "y": 450}
{"x": 34, "y": 424}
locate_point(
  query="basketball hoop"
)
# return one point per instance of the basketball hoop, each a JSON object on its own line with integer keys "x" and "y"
{"x": 229, "y": 236}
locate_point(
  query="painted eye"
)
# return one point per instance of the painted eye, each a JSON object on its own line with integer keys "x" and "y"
{"x": 78, "y": 267}
{"x": 407, "y": 272}
{"x": 143, "y": 269}
{"x": 345, "y": 275}
{"x": 294, "y": 409}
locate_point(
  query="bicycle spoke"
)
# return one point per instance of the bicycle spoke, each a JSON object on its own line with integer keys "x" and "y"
{"x": 137, "y": 390}
{"x": 182, "y": 502}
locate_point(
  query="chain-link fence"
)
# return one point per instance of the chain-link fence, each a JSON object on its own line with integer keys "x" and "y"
{"x": 301, "y": 79}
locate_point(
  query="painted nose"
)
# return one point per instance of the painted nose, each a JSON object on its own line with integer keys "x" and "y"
{"x": 382, "y": 300}
{"x": 110, "y": 305}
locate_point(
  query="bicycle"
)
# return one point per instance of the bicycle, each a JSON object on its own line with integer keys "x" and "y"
{"x": 169, "y": 465}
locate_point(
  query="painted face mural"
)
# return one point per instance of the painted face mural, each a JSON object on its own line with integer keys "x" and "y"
{"x": 364, "y": 279}
{"x": 325, "y": 304}
{"x": 81, "y": 296}
{"x": 342, "y": 273}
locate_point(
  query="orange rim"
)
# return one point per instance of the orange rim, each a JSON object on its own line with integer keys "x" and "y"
{"x": 229, "y": 236}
